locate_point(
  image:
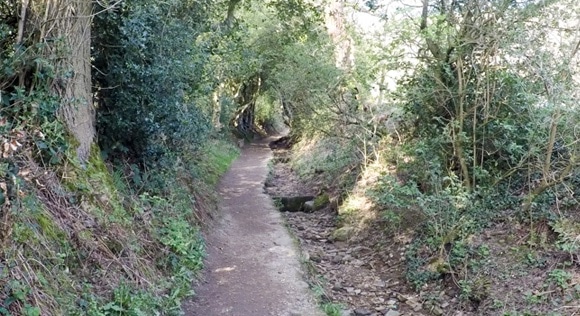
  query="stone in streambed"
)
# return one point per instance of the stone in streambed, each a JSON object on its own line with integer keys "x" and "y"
{"x": 308, "y": 206}
{"x": 342, "y": 234}
{"x": 362, "y": 312}
{"x": 292, "y": 203}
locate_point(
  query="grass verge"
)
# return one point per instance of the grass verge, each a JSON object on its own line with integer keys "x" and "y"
{"x": 96, "y": 240}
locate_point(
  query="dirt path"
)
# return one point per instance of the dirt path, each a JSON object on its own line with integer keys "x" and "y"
{"x": 253, "y": 267}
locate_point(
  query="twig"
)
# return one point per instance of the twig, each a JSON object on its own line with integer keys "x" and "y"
{"x": 569, "y": 306}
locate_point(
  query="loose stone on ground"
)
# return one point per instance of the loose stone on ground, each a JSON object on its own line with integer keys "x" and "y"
{"x": 364, "y": 281}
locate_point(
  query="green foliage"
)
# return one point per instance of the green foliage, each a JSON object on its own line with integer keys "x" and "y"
{"x": 389, "y": 193}
{"x": 28, "y": 111}
{"x": 501, "y": 130}
{"x": 568, "y": 232}
{"x": 16, "y": 293}
{"x": 303, "y": 79}
{"x": 283, "y": 45}
{"x": 30, "y": 82}
{"x": 332, "y": 309}
{"x": 88, "y": 240}
{"x": 330, "y": 157}
{"x": 148, "y": 62}
{"x": 278, "y": 203}
{"x": 127, "y": 302}
{"x": 481, "y": 131}
{"x": 184, "y": 244}
{"x": 321, "y": 201}
{"x": 150, "y": 238}
{"x": 217, "y": 157}
{"x": 268, "y": 114}
{"x": 443, "y": 222}
{"x": 560, "y": 277}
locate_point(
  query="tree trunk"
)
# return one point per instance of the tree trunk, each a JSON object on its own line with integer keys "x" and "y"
{"x": 336, "y": 27}
{"x": 69, "y": 21}
{"x": 243, "y": 122}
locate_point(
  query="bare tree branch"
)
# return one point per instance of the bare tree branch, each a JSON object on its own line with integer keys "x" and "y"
{"x": 433, "y": 47}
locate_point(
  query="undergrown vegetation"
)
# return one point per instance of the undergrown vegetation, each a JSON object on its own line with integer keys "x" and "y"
{"x": 451, "y": 124}
{"x": 456, "y": 131}
{"x": 117, "y": 119}
{"x": 109, "y": 227}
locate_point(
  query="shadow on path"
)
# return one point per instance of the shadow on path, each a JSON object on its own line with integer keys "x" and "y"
{"x": 253, "y": 267}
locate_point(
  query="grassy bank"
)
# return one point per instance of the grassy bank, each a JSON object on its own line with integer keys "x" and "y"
{"x": 105, "y": 239}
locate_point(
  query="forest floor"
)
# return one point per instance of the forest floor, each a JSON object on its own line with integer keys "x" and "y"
{"x": 364, "y": 273}
{"x": 348, "y": 275}
{"x": 253, "y": 267}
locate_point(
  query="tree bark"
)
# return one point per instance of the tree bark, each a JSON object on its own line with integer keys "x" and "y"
{"x": 72, "y": 24}
{"x": 230, "y": 14}
{"x": 336, "y": 26}
{"x": 243, "y": 122}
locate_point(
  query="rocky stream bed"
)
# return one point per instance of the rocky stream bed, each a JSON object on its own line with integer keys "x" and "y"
{"x": 346, "y": 270}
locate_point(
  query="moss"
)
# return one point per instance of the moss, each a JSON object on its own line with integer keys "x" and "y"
{"x": 103, "y": 193}
{"x": 342, "y": 233}
{"x": 33, "y": 223}
{"x": 48, "y": 227}
{"x": 22, "y": 233}
{"x": 85, "y": 234}
{"x": 321, "y": 201}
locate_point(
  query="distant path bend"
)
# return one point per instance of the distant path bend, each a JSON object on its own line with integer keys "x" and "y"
{"x": 253, "y": 267}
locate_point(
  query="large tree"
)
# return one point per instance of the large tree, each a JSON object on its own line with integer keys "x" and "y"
{"x": 72, "y": 23}
{"x": 63, "y": 30}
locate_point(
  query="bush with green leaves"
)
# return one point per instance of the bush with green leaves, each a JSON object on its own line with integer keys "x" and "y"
{"x": 29, "y": 104}
{"x": 495, "y": 136}
{"x": 147, "y": 64}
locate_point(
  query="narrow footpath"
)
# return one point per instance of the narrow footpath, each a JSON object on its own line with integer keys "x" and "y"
{"x": 253, "y": 267}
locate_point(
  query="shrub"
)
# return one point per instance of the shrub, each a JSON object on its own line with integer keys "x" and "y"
{"x": 148, "y": 61}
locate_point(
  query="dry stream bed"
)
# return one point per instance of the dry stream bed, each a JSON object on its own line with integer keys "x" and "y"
{"x": 364, "y": 273}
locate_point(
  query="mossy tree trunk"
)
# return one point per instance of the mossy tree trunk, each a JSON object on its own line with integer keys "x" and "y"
{"x": 77, "y": 110}
{"x": 65, "y": 29}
